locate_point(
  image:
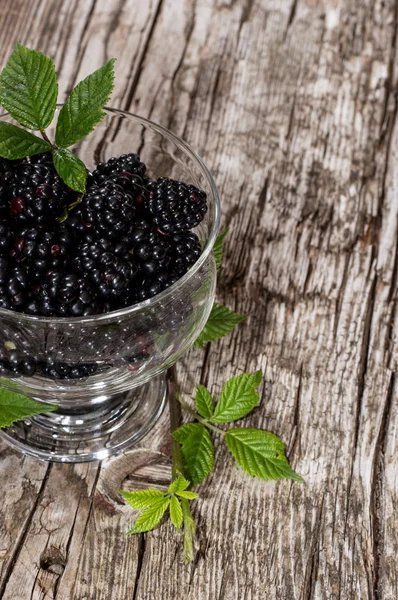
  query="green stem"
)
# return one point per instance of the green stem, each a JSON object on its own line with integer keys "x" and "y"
{"x": 195, "y": 415}
{"x": 178, "y": 465}
{"x": 46, "y": 138}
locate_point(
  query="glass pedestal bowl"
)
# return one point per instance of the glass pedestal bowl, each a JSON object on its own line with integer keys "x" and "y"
{"x": 123, "y": 355}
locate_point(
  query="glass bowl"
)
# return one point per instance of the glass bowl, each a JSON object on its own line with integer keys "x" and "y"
{"x": 112, "y": 365}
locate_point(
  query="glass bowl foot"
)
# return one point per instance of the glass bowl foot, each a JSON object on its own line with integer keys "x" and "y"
{"x": 91, "y": 431}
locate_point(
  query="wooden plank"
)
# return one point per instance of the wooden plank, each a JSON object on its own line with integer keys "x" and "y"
{"x": 293, "y": 107}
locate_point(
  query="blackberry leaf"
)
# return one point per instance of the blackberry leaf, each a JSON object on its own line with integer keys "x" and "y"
{"x": 83, "y": 107}
{"x": 28, "y": 88}
{"x": 260, "y": 453}
{"x": 197, "y": 450}
{"x": 16, "y": 142}
{"x": 151, "y": 517}
{"x": 238, "y": 398}
{"x": 204, "y": 402}
{"x": 15, "y": 407}
{"x": 142, "y": 499}
{"x": 178, "y": 485}
{"x": 176, "y": 512}
{"x": 220, "y": 323}
{"x": 218, "y": 248}
{"x": 71, "y": 169}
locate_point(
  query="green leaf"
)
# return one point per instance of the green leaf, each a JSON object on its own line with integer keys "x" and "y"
{"x": 178, "y": 485}
{"x": 238, "y": 398}
{"x": 260, "y": 453}
{"x": 218, "y": 248}
{"x": 71, "y": 169}
{"x": 16, "y": 142}
{"x": 15, "y": 407}
{"x": 151, "y": 517}
{"x": 28, "y": 88}
{"x": 83, "y": 107}
{"x": 188, "y": 495}
{"x": 176, "y": 512}
{"x": 142, "y": 499}
{"x": 197, "y": 450}
{"x": 204, "y": 402}
{"x": 220, "y": 323}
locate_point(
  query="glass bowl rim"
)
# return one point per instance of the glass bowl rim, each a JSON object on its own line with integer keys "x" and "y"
{"x": 129, "y": 310}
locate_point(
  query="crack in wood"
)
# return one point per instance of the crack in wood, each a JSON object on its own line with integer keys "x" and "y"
{"x": 24, "y": 533}
{"x": 377, "y": 493}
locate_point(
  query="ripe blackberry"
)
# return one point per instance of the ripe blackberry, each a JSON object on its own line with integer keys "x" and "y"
{"x": 14, "y": 286}
{"x": 13, "y": 364}
{"x": 42, "y": 250}
{"x": 6, "y": 238}
{"x": 36, "y": 195}
{"x": 127, "y": 165}
{"x": 107, "y": 211}
{"x": 108, "y": 266}
{"x": 174, "y": 205}
{"x": 151, "y": 286}
{"x": 60, "y": 370}
{"x": 185, "y": 251}
{"x": 149, "y": 247}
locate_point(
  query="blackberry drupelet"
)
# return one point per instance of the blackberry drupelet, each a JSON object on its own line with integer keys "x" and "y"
{"x": 174, "y": 205}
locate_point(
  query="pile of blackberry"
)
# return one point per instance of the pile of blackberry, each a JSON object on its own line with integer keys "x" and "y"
{"x": 126, "y": 241}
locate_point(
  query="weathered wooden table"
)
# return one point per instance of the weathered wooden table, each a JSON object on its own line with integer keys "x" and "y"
{"x": 293, "y": 105}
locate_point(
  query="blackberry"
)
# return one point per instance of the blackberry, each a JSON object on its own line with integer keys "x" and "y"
{"x": 42, "y": 250}
{"x": 150, "y": 248}
{"x": 60, "y": 370}
{"x": 107, "y": 210}
{"x": 174, "y": 205}
{"x": 6, "y": 239}
{"x": 108, "y": 266}
{"x": 14, "y": 286}
{"x": 35, "y": 194}
{"x": 16, "y": 365}
{"x": 127, "y": 165}
{"x": 186, "y": 250}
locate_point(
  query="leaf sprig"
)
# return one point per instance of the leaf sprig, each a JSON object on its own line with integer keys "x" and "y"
{"x": 153, "y": 504}
{"x": 258, "y": 452}
{"x": 29, "y": 90}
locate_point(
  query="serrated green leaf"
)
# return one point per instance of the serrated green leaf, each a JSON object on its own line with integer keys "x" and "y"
{"x": 150, "y": 517}
{"x": 142, "y": 499}
{"x": 204, "y": 402}
{"x": 197, "y": 450}
{"x": 71, "y": 169}
{"x": 260, "y": 453}
{"x": 28, "y": 88}
{"x": 220, "y": 323}
{"x": 82, "y": 110}
{"x": 178, "y": 485}
{"x": 188, "y": 495}
{"x": 15, "y": 407}
{"x": 218, "y": 248}
{"x": 175, "y": 512}
{"x": 238, "y": 398}
{"x": 16, "y": 142}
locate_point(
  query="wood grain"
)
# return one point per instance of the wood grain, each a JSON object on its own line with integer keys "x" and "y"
{"x": 293, "y": 106}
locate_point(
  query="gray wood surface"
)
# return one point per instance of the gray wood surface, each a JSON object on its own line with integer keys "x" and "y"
{"x": 293, "y": 105}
